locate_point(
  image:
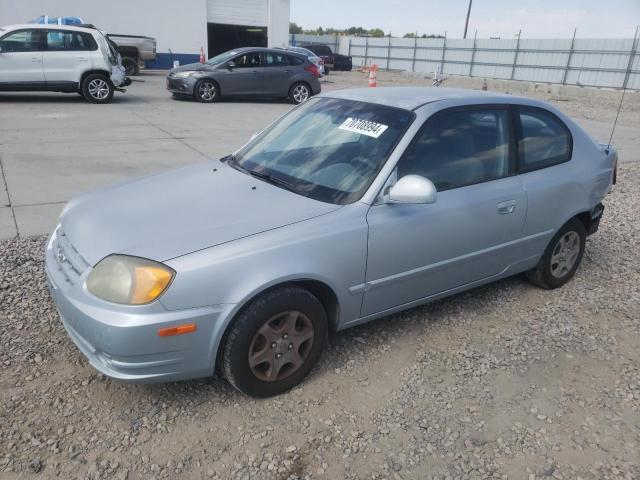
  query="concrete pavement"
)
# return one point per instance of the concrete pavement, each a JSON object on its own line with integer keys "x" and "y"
{"x": 56, "y": 146}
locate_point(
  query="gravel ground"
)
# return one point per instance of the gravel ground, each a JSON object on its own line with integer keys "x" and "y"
{"x": 504, "y": 381}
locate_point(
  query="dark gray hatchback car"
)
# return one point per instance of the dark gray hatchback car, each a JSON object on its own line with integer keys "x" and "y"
{"x": 249, "y": 72}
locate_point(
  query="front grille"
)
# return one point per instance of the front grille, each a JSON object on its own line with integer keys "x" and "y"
{"x": 67, "y": 258}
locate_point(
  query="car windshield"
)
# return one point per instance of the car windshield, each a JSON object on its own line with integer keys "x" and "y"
{"x": 223, "y": 57}
{"x": 327, "y": 149}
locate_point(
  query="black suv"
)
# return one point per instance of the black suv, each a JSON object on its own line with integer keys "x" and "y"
{"x": 332, "y": 61}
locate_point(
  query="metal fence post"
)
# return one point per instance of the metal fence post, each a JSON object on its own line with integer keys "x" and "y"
{"x": 366, "y": 51}
{"x": 473, "y": 53}
{"x": 444, "y": 49}
{"x": 388, "y": 52}
{"x": 415, "y": 51}
{"x": 349, "y": 54}
{"x": 566, "y": 69}
{"x": 515, "y": 57}
{"x": 336, "y": 43}
{"x": 632, "y": 54}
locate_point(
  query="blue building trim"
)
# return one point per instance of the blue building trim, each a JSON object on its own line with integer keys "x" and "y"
{"x": 164, "y": 61}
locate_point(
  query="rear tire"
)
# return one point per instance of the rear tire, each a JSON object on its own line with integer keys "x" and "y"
{"x": 131, "y": 66}
{"x": 206, "y": 91}
{"x": 561, "y": 257}
{"x": 299, "y": 92}
{"x": 274, "y": 342}
{"x": 97, "y": 88}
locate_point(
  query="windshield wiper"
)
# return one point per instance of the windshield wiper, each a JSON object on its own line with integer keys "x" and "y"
{"x": 231, "y": 160}
{"x": 271, "y": 179}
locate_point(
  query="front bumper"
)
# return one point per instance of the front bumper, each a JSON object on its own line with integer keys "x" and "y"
{"x": 181, "y": 86}
{"x": 122, "y": 341}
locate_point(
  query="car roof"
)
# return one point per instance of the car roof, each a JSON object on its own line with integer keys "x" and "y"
{"x": 257, "y": 49}
{"x": 410, "y": 98}
{"x": 46, "y": 26}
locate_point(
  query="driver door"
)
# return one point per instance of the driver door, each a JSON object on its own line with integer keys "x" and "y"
{"x": 21, "y": 58}
{"x": 419, "y": 250}
{"x": 246, "y": 77}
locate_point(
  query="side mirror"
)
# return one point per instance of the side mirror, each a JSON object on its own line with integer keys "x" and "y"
{"x": 413, "y": 189}
{"x": 231, "y": 65}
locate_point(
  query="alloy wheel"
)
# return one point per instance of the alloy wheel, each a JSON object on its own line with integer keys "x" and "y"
{"x": 565, "y": 253}
{"x": 300, "y": 93}
{"x": 207, "y": 91}
{"x": 98, "y": 89}
{"x": 281, "y": 346}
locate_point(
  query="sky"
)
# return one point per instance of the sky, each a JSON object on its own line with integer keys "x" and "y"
{"x": 492, "y": 18}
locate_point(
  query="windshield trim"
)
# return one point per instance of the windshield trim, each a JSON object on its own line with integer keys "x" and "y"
{"x": 233, "y": 163}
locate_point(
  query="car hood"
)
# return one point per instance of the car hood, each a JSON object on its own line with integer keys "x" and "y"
{"x": 192, "y": 67}
{"x": 178, "y": 212}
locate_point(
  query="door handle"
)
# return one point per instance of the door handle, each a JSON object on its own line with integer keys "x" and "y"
{"x": 82, "y": 59}
{"x": 287, "y": 71}
{"x": 254, "y": 72}
{"x": 36, "y": 59}
{"x": 507, "y": 207}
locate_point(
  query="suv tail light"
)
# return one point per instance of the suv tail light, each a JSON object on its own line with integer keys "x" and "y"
{"x": 313, "y": 70}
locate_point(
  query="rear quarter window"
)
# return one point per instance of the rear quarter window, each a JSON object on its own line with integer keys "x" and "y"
{"x": 543, "y": 139}
{"x": 295, "y": 60}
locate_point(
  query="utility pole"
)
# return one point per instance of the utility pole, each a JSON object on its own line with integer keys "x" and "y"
{"x": 466, "y": 24}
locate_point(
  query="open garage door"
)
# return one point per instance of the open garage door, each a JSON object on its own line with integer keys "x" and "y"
{"x": 222, "y": 37}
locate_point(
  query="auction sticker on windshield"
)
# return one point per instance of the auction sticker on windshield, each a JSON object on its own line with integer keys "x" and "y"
{"x": 363, "y": 127}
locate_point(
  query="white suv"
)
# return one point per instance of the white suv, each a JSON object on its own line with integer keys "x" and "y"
{"x": 59, "y": 58}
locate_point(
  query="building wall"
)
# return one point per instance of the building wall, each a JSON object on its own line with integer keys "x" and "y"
{"x": 179, "y": 26}
{"x": 278, "y": 27}
{"x": 252, "y": 13}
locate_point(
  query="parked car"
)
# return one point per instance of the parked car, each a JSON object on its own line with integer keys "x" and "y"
{"x": 59, "y": 58}
{"x": 257, "y": 72}
{"x": 331, "y": 60}
{"x": 135, "y": 49}
{"x": 313, "y": 58}
{"x": 354, "y": 205}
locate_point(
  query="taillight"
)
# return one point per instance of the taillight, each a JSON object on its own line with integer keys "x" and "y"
{"x": 313, "y": 70}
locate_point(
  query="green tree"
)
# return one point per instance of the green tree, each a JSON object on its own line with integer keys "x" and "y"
{"x": 376, "y": 32}
{"x": 294, "y": 28}
{"x": 409, "y": 35}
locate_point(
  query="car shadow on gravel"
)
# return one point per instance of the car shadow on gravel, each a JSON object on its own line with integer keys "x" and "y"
{"x": 356, "y": 343}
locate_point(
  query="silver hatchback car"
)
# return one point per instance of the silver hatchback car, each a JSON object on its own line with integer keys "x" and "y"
{"x": 354, "y": 205}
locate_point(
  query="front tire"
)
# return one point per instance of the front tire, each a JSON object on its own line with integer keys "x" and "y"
{"x": 299, "y": 92}
{"x": 97, "y": 88}
{"x": 274, "y": 342}
{"x": 206, "y": 91}
{"x": 561, "y": 258}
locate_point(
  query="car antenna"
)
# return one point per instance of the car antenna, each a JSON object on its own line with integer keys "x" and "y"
{"x": 634, "y": 47}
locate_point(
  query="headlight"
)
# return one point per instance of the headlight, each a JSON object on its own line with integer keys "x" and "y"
{"x": 182, "y": 74}
{"x": 129, "y": 280}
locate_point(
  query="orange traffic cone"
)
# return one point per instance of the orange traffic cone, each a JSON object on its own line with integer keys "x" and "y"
{"x": 202, "y": 59}
{"x": 373, "y": 81}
